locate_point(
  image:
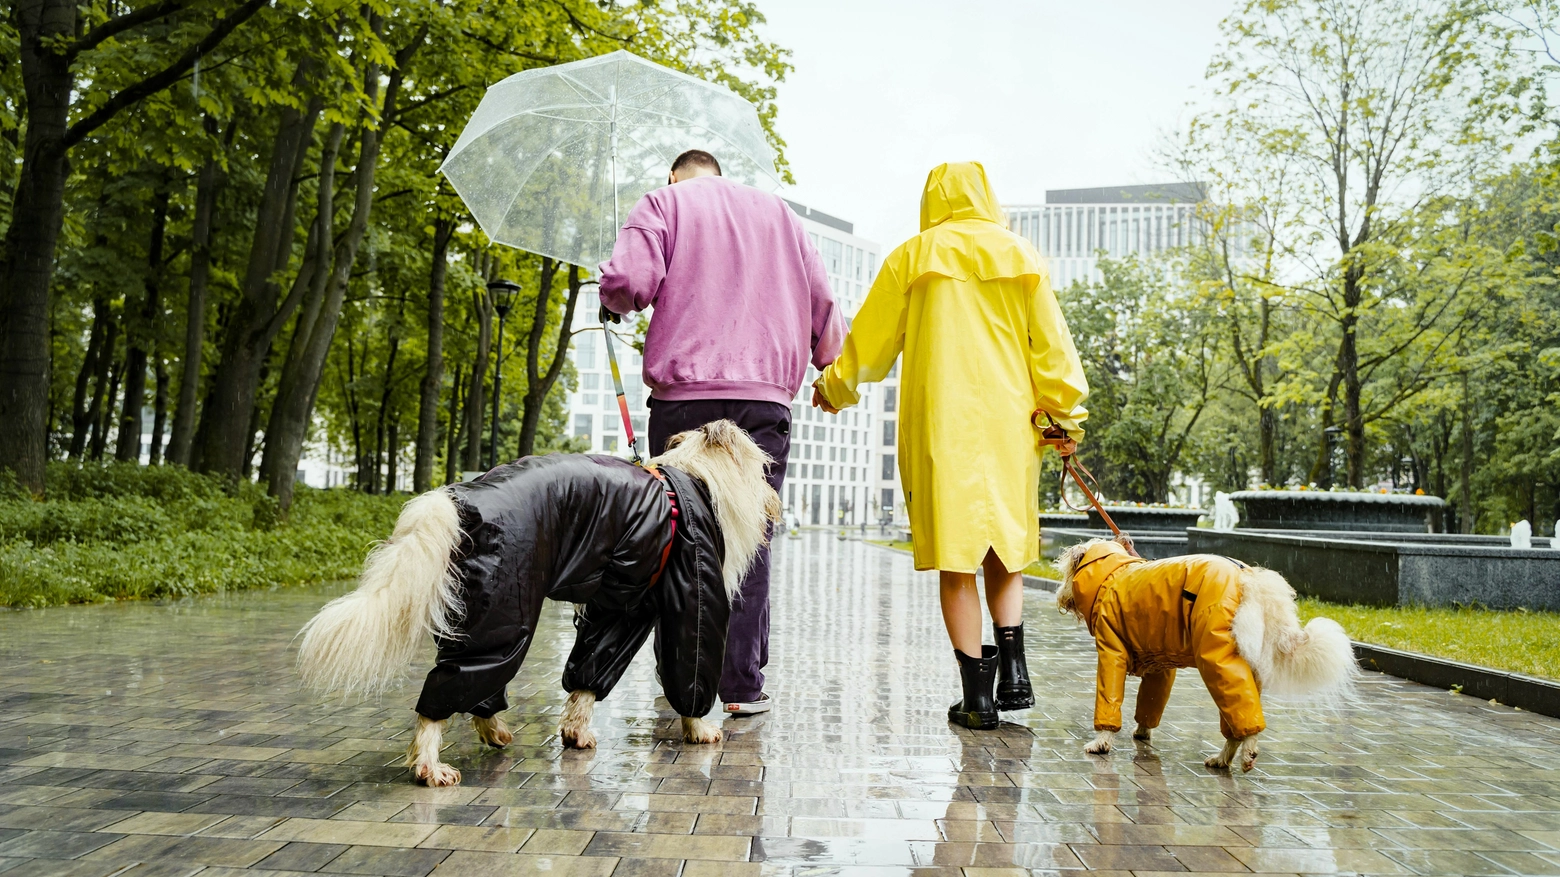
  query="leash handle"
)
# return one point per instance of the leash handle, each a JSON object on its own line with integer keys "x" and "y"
{"x": 607, "y": 318}
{"x": 1053, "y": 435}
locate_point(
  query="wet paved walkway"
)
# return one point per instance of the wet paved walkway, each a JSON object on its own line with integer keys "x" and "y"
{"x": 171, "y": 739}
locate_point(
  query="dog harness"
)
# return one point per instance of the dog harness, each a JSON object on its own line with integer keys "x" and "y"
{"x": 671, "y": 497}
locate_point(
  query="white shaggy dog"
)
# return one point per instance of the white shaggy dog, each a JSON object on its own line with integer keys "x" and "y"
{"x": 1236, "y": 624}
{"x": 661, "y": 548}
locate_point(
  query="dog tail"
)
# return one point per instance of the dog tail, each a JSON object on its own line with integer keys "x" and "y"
{"x": 1314, "y": 662}
{"x": 361, "y": 643}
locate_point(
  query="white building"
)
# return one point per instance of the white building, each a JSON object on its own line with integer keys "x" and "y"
{"x": 1074, "y": 225}
{"x": 841, "y": 468}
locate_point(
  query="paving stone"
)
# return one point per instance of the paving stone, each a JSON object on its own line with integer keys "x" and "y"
{"x": 207, "y": 755}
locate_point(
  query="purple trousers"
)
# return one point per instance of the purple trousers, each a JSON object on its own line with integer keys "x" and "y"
{"x": 769, "y": 423}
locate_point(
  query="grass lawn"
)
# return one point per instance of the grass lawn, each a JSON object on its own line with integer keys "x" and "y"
{"x": 1041, "y": 567}
{"x": 1515, "y": 641}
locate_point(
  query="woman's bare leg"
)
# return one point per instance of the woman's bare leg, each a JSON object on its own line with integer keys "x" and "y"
{"x": 961, "y": 611}
{"x": 1004, "y": 592}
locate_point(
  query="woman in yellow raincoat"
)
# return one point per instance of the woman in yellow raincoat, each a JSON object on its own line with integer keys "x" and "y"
{"x": 986, "y": 352}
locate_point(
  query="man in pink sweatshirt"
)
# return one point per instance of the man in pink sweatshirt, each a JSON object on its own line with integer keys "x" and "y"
{"x": 742, "y": 304}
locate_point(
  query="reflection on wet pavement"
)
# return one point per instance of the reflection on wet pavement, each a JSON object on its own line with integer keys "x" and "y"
{"x": 172, "y": 739}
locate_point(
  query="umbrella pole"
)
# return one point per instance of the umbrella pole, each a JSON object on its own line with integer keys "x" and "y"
{"x": 606, "y": 322}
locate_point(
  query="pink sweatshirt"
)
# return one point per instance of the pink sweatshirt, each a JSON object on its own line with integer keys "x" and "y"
{"x": 740, "y": 295}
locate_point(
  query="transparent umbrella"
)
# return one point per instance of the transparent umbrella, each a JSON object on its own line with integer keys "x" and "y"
{"x": 554, "y": 156}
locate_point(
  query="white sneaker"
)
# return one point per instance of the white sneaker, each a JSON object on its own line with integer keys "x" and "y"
{"x": 762, "y": 705}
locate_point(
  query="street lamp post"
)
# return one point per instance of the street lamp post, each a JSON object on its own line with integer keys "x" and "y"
{"x": 503, "y": 292}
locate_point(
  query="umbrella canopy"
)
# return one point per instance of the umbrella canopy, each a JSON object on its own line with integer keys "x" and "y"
{"x": 554, "y": 156}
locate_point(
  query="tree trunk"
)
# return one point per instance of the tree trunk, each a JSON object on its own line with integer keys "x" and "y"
{"x": 143, "y": 339}
{"x": 433, "y": 372}
{"x": 392, "y": 454}
{"x": 102, "y": 400}
{"x": 195, "y": 313}
{"x": 225, "y": 428}
{"x": 453, "y": 430}
{"x": 1349, "y": 364}
{"x": 159, "y": 411}
{"x": 81, "y": 416}
{"x": 296, "y": 395}
{"x": 539, "y": 383}
{"x": 484, "y": 307}
{"x": 385, "y": 433}
{"x": 27, "y": 260}
{"x": 100, "y": 430}
{"x": 1465, "y": 475}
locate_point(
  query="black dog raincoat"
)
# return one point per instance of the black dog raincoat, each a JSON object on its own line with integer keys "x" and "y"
{"x": 591, "y": 530}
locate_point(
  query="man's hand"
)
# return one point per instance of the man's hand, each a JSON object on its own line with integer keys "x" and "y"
{"x": 819, "y": 402}
{"x": 607, "y": 316}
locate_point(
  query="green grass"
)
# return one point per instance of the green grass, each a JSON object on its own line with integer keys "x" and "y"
{"x": 1041, "y": 567}
{"x": 1515, "y": 641}
{"x": 120, "y": 531}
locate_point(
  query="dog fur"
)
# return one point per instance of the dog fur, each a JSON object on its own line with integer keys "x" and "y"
{"x": 1314, "y": 662}
{"x": 362, "y": 643}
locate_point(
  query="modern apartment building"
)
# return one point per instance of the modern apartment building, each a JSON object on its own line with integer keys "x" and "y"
{"x": 1074, "y": 225}
{"x": 841, "y": 469}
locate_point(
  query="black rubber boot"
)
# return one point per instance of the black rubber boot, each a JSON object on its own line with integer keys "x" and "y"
{"x": 977, "y": 710}
{"x": 1013, "y": 689}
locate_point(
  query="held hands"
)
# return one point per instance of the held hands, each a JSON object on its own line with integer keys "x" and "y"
{"x": 819, "y": 402}
{"x": 607, "y": 316}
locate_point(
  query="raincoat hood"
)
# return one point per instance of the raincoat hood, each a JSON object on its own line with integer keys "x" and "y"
{"x": 1093, "y": 570}
{"x": 958, "y": 190}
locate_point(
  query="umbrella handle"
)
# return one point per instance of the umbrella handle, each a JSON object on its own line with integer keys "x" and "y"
{"x": 607, "y": 317}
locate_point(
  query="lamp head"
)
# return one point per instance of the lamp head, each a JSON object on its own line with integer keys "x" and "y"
{"x": 503, "y": 292}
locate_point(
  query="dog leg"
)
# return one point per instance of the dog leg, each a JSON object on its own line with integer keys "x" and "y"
{"x": 1143, "y": 733}
{"x": 1246, "y": 747}
{"x": 1101, "y": 743}
{"x": 574, "y": 727}
{"x": 492, "y": 731}
{"x": 696, "y": 730}
{"x": 422, "y": 756}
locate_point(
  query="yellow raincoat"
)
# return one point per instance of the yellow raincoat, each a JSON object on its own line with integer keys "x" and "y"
{"x": 970, "y": 304}
{"x": 1149, "y": 618}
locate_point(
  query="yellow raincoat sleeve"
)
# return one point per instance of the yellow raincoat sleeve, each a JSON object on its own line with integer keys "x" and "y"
{"x": 1054, "y": 367}
{"x": 1111, "y": 678}
{"x": 877, "y": 336}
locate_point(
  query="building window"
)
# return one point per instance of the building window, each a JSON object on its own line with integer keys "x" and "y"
{"x": 790, "y": 502}
{"x": 888, "y": 501}
{"x": 582, "y": 424}
{"x": 890, "y": 398}
{"x": 833, "y": 256}
{"x": 609, "y": 443}
{"x": 888, "y": 432}
{"x": 592, "y": 381}
{"x": 817, "y": 472}
{"x": 585, "y": 352}
{"x": 888, "y": 467}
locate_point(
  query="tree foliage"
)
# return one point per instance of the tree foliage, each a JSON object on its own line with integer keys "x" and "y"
{"x": 249, "y": 235}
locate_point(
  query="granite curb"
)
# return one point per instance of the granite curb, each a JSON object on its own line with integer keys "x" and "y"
{"x": 1509, "y": 689}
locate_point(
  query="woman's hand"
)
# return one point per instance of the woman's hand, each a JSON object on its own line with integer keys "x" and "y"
{"x": 819, "y": 402}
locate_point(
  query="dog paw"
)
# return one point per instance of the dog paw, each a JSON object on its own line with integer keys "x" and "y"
{"x": 493, "y": 732}
{"x": 1217, "y": 762}
{"x": 1100, "y": 745}
{"x": 437, "y": 774}
{"x": 1248, "y": 757}
{"x": 578, "y": 738}
{"x": 696, "y": 730}
{"x": 1143, "y": 734}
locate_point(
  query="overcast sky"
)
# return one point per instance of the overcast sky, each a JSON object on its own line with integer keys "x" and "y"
{"x": 1047, "y": 94}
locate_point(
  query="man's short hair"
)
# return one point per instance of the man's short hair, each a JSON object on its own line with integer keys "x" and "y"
{"x": 696, "y": 157}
